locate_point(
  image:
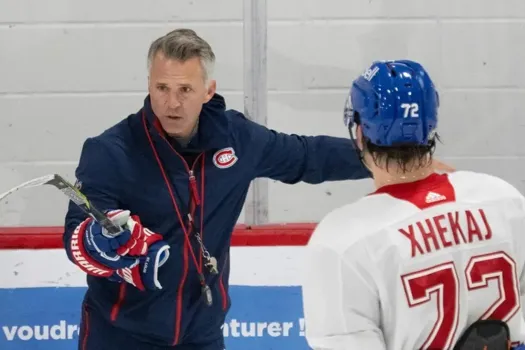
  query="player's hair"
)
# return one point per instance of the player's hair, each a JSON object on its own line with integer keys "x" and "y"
{"x": 184, "y": 44}
{"x": 407, "y": 157}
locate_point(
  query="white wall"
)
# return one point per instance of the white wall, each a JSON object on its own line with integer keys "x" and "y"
{"x": 251, "y": 266}
{"x": 63, "y": 62}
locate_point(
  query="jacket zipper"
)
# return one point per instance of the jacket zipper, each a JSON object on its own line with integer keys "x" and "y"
{"x": 196, "y": 199}
{"x": 194, "y": 193}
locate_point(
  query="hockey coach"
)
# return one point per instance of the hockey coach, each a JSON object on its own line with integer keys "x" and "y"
{"x": 175, "y": 176}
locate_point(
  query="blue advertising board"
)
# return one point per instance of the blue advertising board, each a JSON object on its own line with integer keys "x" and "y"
{"x": 47, "y": 318}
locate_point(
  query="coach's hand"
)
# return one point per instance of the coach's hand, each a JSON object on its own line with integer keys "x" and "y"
{"x": 144, "y": 273}
{"x": 100, "y": 254}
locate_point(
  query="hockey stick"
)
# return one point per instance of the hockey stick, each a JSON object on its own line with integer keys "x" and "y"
{"x": 74, "y": 194}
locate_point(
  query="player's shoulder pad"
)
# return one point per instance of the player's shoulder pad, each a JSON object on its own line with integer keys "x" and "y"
{"x": 331, "y": 229}
{"x": 493, "y": 186}
{"x": 344, "y": 226}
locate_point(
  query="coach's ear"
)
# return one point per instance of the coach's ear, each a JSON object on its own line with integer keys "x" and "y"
{"x": 439, "y": 166}
{"x": 211, "y": 89}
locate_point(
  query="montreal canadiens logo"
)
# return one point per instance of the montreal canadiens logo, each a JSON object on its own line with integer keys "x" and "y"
{"x": 224, "y": 158}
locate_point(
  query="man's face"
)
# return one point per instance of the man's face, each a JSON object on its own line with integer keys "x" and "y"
{"x": 177, "y": 90}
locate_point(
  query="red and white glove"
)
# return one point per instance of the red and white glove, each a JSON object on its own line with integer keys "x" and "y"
{"x": 144, "y": 275}
{"x": 141, "y": 238}
{"x": 99, "y": 254}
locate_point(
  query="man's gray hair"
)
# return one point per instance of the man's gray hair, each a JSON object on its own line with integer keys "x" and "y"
{"x": 184, "y": 44}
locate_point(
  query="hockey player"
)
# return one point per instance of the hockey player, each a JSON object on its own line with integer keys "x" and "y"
{"x": 427, "y": 261}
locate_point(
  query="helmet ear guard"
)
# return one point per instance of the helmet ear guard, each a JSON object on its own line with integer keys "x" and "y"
{"x": 350, "y": 115}
{"x": 351, "y": 120}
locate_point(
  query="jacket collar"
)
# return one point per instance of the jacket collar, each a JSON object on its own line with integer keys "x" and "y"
{"x": 213, "y": 130}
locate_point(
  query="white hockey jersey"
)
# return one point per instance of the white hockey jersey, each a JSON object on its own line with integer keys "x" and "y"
{"x": 411, "y": 266}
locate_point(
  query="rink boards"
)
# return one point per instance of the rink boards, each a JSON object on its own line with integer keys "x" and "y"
{"x": 41, "y": 292}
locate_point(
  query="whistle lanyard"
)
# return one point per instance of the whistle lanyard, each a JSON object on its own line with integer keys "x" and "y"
{"x": 195, "y": 202}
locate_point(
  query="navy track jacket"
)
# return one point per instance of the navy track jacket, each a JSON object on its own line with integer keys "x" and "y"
{"x": 121, "y": 169}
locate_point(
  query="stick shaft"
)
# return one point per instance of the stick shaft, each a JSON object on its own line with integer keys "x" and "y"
{"x": 74, "y": 194}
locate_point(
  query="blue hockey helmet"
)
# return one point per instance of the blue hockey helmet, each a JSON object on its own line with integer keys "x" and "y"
{"x": 395, "y": 102}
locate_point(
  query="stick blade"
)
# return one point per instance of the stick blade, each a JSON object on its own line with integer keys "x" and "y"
{"x": 39, "y": 181}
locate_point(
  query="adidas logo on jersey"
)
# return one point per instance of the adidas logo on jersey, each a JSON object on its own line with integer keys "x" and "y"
{"x": 433, "y": 197}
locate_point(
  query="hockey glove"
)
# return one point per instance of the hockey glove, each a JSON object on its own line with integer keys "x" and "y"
{"x": 485, "y": 334}
{"x": 99, "y": 254}
{"x": 144, "y": 273}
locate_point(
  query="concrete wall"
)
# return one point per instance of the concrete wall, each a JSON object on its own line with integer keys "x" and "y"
{"x": 64, "y": 62}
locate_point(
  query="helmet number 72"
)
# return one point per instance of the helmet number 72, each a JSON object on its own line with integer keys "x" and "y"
{"x": 411, "y": 109}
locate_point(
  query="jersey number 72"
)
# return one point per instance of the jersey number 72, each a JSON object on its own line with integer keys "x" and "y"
{"x": 442, "y": 280}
